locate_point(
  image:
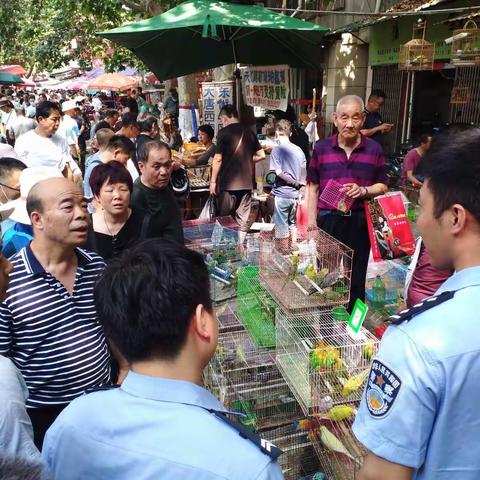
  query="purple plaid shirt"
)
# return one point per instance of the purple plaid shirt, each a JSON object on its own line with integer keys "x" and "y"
{"x": 365, "y": 167}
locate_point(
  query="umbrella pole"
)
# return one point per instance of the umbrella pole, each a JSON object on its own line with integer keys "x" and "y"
{"x": 236, "y": 79}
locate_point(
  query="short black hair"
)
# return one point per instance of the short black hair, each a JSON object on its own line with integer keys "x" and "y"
{"x": 424, "y": 138}
{"x": 229, "y": 111}
{"x": 147, "y": 124}
{"x": 129, "y": 119}
{"x": 377, "y": 93}
{"x": 146, "y": 297}
{"x": 110, "y": 172}
{"x": 12, "y": 468}
{"x": 145, "y": 148}
{"x": 121, "y": 142}
{"x": 44, "y": 109}
{"x": 34, "y": 202}
{"x": 8, "y": 166}
{"x": 452, "y": 169}
{"x": 208, "y": 129}
{"x": 111, "y": 113}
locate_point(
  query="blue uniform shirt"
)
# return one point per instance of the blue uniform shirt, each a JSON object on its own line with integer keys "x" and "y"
{"x": 420, "y": 406}
{"x": 151, "y": 428}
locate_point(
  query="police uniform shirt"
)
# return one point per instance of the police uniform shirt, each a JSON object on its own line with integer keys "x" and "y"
{"x": 420, "y": 406}
{"x": 151, "y": 428}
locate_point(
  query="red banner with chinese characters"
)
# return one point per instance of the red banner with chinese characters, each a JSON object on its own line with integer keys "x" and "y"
{"x": 388, "y": 227}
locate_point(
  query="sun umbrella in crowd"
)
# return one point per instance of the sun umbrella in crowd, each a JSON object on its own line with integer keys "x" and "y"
{"x": 112, "y": 81}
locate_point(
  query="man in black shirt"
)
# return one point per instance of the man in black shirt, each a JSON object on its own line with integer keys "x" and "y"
{"x": 232, "y": 168}
{"x": 374, "y": 127}
{"x": 111, "y": 118}
{"x": 131, "y": 102}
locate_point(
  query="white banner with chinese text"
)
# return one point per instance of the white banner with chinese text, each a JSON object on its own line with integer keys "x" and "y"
{"x": 214, "y": 96}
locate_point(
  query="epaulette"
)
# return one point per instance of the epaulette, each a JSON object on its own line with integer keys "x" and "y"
{"x": 265, "y": 446}
{"x": 427, "y": 304}
{"x": 100, "y": 388}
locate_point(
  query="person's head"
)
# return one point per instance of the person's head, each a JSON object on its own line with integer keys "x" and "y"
{"x": 10, "y": 169}
{"x": 111, "y": 117}
{"x": 68, "y": 108}
{"x": 425, "y": 142}
{"x": 6, "y": 105}
{"x": 283, "y": 129}
{"x": 42, "y": 97}
{"x": 449, "y": 219}
{"x": 205, "y": 134}
{"x": 20, "y": 110}
{"x": 149, "y": 126}
{"x": 48, "y": 118}
{"x": 12, "y": 468}
{"x": 349, "y": 117}
{"x": 130, "y": 125}
{"x": 102, "y": 137}
{"x": 154, "y": 305}
{"x": 376, "y": 100}
{"x": 155, "y": 162}
{"x": 120, "y": 148}
{"x": 112, "y": 185}
{"x": 58, "y": 212}
{"x": 133, "y": 93}
{"x": 228, "y": 114}
{"x": 173, "y": 93}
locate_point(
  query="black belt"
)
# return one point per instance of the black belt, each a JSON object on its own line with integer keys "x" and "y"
{"x": 338, "y": 213}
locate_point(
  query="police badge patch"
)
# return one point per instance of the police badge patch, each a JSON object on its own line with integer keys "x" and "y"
{"x": 382, "y": 389}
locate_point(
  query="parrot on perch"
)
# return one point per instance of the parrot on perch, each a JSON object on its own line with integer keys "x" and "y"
{"x": 354, "y": 383}
{"x": 340, "y": 412}
{"x": 331, "y": 442}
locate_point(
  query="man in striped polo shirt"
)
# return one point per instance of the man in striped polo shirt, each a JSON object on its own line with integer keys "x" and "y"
{"x": 357, "y": 162}
{"x": 48, "y": 323}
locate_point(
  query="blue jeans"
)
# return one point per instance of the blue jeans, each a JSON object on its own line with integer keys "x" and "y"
{"x": 284, "y": 214}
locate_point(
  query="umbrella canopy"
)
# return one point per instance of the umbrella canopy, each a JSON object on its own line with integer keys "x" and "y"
{"x": 112, "y": 81}
{"x": 9, "y": 79}
{"x": 15, "y": 69}
{"x": 28, "y": 83}
{"x": 201, "y": 34}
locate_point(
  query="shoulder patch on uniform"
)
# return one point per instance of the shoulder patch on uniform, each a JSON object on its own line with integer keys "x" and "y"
{"x": 382, "y": 389}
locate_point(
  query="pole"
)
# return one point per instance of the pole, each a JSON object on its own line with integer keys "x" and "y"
{"x": 410, "y": 107}
{"x": 405, "y": 108}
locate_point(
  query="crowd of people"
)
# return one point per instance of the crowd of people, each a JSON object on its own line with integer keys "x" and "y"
{"x": 106, "y": 321}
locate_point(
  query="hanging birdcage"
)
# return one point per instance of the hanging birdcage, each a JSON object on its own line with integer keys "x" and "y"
{"x": 418, "y": 53}
{"x": 460, "y": 95}
{"x": 466, "y": 45}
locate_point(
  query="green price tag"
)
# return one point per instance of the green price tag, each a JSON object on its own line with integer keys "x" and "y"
{"x": 357, "y": 316}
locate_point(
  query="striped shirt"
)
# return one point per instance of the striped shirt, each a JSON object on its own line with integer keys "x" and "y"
{"x": 365, "y": 167}
{"x": 53, "y": 337}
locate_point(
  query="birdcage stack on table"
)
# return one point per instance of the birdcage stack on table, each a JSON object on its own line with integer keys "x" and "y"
{"x": 220, "y": 248}
{"x": 316, "y": 271}
{"x": 227, "y": 317}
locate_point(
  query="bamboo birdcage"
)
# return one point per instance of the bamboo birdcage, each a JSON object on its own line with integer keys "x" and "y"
{"x": 418, "y": 53}
{"x": 466, "y": 45}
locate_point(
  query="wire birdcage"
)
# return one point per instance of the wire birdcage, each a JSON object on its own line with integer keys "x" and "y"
{"x": 220, "y": 248}
{"x": 340, "y": 453}
{"x": 245, "y": 379}
{"x": 255, "y": 307}
{"x": 466, "y": 45}
{"x": 418, "y": 53}
{"x": 315, "y": 272}
{"x": 227, "y": 317}
{"x": 460, "y": 95}
{"x": 299, "y": 459}
{"x": 323, "y": 363}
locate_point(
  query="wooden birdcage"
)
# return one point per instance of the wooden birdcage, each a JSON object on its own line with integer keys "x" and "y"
{"x": 466, "y": 45}
{"x": 418, "y": 53}
{"x": 460, "y": 95}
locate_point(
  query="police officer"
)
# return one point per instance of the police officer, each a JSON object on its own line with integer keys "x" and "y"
{"x": 154, "y": 304}
{"x": 419, "y": 416}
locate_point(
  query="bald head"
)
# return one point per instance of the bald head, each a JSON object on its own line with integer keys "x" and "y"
{"x": 349, "y": 100}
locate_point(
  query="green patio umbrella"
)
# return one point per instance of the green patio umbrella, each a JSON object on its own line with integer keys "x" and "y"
{"x": 201, "y": 34}
{"x": 9, "y": 79}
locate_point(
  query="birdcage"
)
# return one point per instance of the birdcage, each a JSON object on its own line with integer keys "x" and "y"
{"x": 418, "y": 53}
{"x": 245, "y": 378}
{"x": 228, "y": 320}
{"x": 314, "y": 272}
{"x": 323, "y": 362}
{"x": 460, "y": 95}
{"x": 341, "y": 455}
{"x": 466, "y": 45}
{"x": 220, "y": 248}
{"x": 255, "y": 307}
{"x": 299, "y": 459}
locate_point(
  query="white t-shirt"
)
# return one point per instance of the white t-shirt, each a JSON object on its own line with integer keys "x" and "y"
{"x": 22, "y": 125}
{"x": 69, "y": 130}
{"x": 35, "y": 150}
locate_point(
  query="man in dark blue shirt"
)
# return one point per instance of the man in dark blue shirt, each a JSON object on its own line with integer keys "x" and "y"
{"x": 374, "y": 127}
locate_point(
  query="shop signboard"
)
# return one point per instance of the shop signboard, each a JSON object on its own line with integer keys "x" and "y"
{"x": 214, "y": 96}
{"x": 266, "y": 87}
{"x": 386, "y": 38}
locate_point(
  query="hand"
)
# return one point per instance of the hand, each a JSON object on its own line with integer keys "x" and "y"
{"x": 386, "y": 127}
{"x": 213, "y": 188}
{"x": 352, "y": 190}
{"x": 311, "y": 227}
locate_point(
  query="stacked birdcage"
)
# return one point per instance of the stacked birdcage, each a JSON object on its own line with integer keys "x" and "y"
{"x": 465, "y": 49}
{"x": 227, "y": 317}
{"x": 220, "y": 248}
{"x": 324, "y": 363}
{"x": 255, "y": 307}
{"x": 313, "y": 272}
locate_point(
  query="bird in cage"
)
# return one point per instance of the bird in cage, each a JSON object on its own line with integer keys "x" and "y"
{"x": 340, "y": 412}
{"x": 324, "y": 357}
{"x": 354, "y": 383}
{"x": 331, "y": 442}
{"x": 368, "y": 350}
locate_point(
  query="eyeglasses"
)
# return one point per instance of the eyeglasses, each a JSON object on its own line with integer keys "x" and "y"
{"x": 8, "y": 186}
{"x": 4, "y": 193}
